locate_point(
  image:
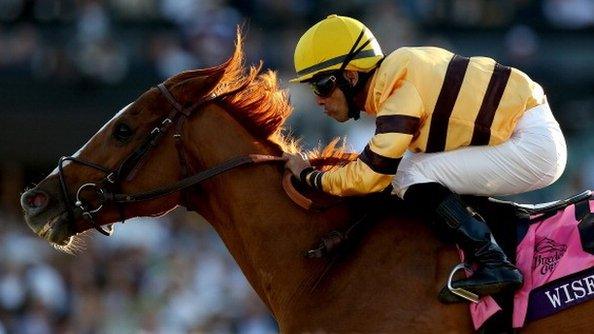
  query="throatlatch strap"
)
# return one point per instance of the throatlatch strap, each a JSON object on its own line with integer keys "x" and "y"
{"x": 185, "y": 168}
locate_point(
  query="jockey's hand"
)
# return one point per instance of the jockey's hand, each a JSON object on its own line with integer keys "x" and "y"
{"x": 296, "y": 163}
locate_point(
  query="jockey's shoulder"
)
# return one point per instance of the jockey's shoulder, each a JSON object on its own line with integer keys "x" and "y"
{"x": 415, "y": 54}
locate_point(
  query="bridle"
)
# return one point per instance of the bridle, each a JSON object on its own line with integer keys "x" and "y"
{"x": 109, "y": 188}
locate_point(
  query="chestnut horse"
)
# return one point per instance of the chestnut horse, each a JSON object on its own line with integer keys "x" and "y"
{"x": 387, "y": 283}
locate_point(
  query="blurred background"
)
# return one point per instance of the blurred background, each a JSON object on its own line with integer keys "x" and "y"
{"x": 66, "y": 66}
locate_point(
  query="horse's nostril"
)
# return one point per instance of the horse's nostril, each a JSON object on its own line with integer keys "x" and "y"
{"x": 36, "y": 200}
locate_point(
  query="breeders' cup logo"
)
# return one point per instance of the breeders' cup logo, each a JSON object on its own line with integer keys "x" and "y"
{"x": 547, "y": 254}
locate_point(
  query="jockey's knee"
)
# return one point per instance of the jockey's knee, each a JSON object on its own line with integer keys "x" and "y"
{"x": 407, "y": 177}
{"x": 547, "y": 164}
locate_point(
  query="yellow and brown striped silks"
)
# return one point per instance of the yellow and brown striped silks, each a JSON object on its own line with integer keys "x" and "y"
{"x": 391, "y": 127}
{"x": 396, "y": 123}
{"x": 448, "y": 95}
{"x": 452, "y": 83}
{"x": 427, "y": 99}
{"x": 379, "y": 163}
{"x": 486, "y": 114}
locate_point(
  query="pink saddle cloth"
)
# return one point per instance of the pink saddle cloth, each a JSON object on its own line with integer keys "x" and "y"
{"x": 558, "y": 272}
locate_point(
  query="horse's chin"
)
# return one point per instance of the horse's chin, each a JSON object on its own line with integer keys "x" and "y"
{"x": 57, "y": 231}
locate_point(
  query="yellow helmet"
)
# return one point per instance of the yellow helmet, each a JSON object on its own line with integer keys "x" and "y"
{"x": 325, "y": 47}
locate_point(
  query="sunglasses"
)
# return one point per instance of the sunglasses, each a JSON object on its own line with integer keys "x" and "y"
{"x": 323, "y": 86}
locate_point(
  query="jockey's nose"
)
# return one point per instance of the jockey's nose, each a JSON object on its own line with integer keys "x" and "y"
{"x": 34, "y": 201}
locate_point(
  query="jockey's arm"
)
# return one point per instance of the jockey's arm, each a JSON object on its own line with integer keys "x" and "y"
{"x": 397, "y": 121}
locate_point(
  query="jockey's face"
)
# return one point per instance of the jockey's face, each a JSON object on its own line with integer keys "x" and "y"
{"x": 335, "y": 105}
{"x": 331, "y": 98}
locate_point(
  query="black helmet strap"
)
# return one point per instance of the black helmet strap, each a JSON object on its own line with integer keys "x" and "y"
{"x": 344, "y": 85}
{"x": 349, "y": 93}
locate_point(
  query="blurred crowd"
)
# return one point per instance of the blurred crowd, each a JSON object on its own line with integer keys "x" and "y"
{"x": 104, "y": 40}
{"x": 167, "y": 275}
{"x": 173, "y": 275}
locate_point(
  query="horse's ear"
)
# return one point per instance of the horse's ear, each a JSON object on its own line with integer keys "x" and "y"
{"x": 201, "y": 86}
{"x": 191, "y": 85}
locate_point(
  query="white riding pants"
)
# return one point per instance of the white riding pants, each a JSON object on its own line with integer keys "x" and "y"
{"x": 533, "y": 158}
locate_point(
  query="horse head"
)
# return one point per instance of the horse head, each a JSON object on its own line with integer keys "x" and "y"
{"x": 137, "y": 150}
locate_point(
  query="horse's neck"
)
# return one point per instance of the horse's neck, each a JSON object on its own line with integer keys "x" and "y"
{"x": 267, "y": 234}
{"x": 264, "y": 231}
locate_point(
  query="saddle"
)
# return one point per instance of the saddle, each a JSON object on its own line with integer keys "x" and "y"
{"x": 514, "y": 226}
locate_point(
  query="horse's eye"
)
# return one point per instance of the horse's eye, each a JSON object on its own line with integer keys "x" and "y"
{"x": 122, "y": 132}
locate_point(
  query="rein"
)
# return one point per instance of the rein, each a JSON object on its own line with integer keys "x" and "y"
{"x": 108, "y": 189}
{"x": 193, "y": 180}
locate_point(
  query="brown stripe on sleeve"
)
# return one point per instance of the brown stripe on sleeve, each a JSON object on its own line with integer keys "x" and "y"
{"x": 482, "y": 125}
{"x": 378, "y": 163}
{"x": 397, "y": 123}
{"x": 444, "y": 106}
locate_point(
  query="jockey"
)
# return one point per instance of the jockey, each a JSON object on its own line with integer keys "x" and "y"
{"x": 445, "y": 125}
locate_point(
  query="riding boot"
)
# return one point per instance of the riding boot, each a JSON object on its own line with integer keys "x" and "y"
{"x": 495, "y": 273}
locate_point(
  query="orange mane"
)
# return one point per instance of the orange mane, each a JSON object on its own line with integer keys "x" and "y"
{"x": 260, "y": 105}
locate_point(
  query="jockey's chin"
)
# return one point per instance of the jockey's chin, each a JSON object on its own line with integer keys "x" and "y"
{"x": 338, "y": 115}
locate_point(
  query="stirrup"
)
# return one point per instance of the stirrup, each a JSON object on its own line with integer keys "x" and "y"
{"x": 470, "y": 296}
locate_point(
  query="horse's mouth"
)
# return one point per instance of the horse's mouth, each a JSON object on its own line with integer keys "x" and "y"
{"x": 57, "y": 231}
